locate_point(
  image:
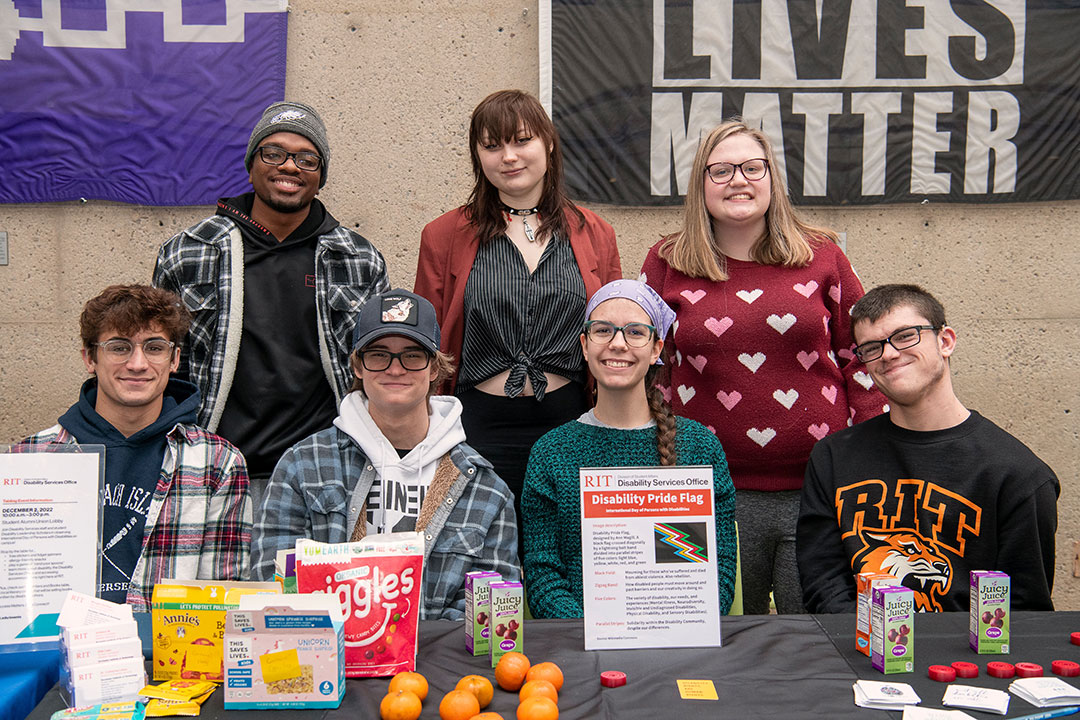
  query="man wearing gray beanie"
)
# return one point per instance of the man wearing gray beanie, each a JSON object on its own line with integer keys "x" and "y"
{"x": 274, "y": 284}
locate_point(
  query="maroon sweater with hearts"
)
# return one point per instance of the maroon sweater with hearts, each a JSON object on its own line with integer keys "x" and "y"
{"x": 764, "y": 360}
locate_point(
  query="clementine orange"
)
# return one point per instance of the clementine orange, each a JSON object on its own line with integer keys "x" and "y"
{"x": 479, "y": 686}
{"x": 510, "y": 671}
{"x": 487, "y": 716}
{"x": 538, "y": 708}
{"x": 538, "y": 688}
{"x": 546, "y": 671}
{"x": 458, "y": 705}
{"x": 411, "y": 681}
{"x": 400, "y": 705}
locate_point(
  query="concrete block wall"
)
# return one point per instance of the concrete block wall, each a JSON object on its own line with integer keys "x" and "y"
{"x": 395, "y": 82}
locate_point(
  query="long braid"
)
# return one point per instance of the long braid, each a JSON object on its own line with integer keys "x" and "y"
{"x": 665, "y": 419}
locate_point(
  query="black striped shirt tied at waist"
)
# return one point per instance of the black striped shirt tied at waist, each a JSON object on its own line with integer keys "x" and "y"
{"x": 527, "y": 323}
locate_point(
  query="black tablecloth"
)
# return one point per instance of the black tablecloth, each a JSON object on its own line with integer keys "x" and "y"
{"x": 769, "y": 667}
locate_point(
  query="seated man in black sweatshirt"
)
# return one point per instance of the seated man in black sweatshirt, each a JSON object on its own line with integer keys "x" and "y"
{"x": 928, "y": 491}
{"x": 175, "y": 502}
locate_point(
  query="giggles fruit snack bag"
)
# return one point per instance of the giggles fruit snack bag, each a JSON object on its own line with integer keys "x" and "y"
{"x": 379, "y": 581}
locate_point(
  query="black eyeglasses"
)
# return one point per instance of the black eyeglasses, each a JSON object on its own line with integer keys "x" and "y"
{"x": 155, "y": 350}
{"x": 635, "y": 334}
{"x": 721, "y": 173}
{"x": 276, "y": 156}
{"x": 902, "y": 339}
{"x": 379, "y": 360}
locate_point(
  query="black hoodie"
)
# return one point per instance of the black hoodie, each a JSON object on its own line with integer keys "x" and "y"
{"x": 132, "y": 472}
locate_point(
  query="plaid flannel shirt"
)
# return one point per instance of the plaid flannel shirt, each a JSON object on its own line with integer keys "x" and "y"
{"x": 320, "y": 484}
{"x": 204, "y": 265}
{"x": 198, "y": 526}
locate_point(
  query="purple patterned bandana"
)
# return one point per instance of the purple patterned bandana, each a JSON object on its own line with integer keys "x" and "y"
{"x": 661, "y": 316}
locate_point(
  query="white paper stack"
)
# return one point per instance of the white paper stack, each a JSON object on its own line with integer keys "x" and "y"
{"x": 917, "y": 713}
{"x": 1045, "y": 691}
{"x": 102, "y": 659}
{"x": 976, "y": 698}
{"x": 884, "y": 695}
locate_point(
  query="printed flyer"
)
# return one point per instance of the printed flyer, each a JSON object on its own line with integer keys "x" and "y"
{"x": 648, "y": 547}
{"x": 50, "y": 539}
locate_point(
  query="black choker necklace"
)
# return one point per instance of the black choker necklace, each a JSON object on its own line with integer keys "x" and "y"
{"x": 524, "y": 215}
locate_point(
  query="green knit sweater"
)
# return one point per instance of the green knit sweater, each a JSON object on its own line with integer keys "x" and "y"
{"x": 551, "y": 504}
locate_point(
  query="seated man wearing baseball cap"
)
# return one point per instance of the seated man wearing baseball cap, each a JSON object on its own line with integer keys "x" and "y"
{"x": 395, "y": 460}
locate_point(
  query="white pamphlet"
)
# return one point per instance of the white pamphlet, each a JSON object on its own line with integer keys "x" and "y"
{"x": 1045, "y": 691}
{"x": 648, "y": 549}
{"x": 976, "y": 698}
{"x": 884, "y": 695}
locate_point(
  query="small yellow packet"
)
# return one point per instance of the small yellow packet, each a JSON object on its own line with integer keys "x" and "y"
{"x": 157, "y": 707}
{"x": 182, "y": 690}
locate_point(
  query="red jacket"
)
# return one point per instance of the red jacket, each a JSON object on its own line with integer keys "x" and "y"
{"x": 448, "y": 248}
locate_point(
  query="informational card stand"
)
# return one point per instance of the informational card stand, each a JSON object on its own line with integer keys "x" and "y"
{"x": 648, "y": 547}
{"x": 50, "y": 514}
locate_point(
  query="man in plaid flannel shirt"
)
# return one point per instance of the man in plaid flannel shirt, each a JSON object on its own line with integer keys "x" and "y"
{"x": 395, "y": 461}
{"x": 175, "y": 502}
{"x": 274, "y": 283}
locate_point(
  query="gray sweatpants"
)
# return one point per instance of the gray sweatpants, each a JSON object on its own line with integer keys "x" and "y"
{"x": 767, "y": 550}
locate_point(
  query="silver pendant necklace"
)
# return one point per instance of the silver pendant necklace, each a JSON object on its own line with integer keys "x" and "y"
{"x": 530, "y": 234}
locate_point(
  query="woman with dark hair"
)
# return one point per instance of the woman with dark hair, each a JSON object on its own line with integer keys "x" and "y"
{"x": 509, "y": 274}
{"x": 763, "y": 346}
{"x": 631, "y": 425}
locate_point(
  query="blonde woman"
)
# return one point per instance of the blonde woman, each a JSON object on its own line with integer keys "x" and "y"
{"x": 763, "y": 345}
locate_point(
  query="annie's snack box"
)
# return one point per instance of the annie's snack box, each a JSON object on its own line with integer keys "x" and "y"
{"x": 989, "y": 599}
{"x": 285, "y": 653}
{"x": 507, "y": 621}
{"x": 478, "y": 610}
{"x": 865, "y": 582}
{"x": 892, "y": 621}
{"x": 188, "y": 621}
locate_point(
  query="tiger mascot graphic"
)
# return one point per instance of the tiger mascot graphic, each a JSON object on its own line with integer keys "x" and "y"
{"x": 912, "y": 559}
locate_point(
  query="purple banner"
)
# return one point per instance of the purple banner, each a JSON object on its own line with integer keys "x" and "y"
{"x": 132, "y": 100}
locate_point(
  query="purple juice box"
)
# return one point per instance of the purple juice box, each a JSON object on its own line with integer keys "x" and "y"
{"x": 892, "y": 634}
{"x": 478, "y": 610}
{"x": 988, "y": 626}
{"x": 507, "y": 621}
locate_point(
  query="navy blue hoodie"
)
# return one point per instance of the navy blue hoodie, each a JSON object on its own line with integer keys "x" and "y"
{"x": 132, "y": 471}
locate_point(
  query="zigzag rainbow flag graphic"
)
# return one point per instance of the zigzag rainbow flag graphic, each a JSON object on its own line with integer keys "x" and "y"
{"x": 680, "y": 541}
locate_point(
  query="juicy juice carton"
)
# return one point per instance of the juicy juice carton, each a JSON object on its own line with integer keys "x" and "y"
{"x": 507, "y": 621}
{"x": 892, "y": 619}
{"x": 478, "y": 610}
{"x": 865, "y": 582}
{"x": 988, "y": 628}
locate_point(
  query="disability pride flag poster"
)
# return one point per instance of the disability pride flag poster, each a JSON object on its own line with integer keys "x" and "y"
{"x": 866, "y": 101}
{"x": 139, "y": 101}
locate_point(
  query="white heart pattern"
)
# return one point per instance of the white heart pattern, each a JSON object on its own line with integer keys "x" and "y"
{"x": 787, "y": 399}
{"x": 807, "y": 359}
{"x": 761, "y": 437}
{"x": 818, "y": 431}
{"x": 729, "y": 400}
{"x": 698, "y": 361}
{"x": 863, "y": 379}
{"x": 829, "y": 393}
{"x": 805, "y": 290}
{"x": 749, "y": 296}
{"x": 693, "y": 295}
{"x": 718, "y": 327}
{"x": 780, "y": 324}
{"x": 686, "y": 394}
{"x": 832, "y": 358}
{"x": 752, "y": 362}
{"x": 834, "y": 293}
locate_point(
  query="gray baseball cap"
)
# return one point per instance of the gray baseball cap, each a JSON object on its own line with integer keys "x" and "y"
{"x": 398, "y": 312}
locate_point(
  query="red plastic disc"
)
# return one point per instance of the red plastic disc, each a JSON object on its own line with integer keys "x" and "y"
{"x": 941, "y": 673}
{"x": 1075, "y": 638}
{"x": 965, "y": 669}
{"x": 612, "y": 678}
{"x": 1065, "y": 668}
{"x": 1000, "y": 669}
{"x": 1026, "y": 670}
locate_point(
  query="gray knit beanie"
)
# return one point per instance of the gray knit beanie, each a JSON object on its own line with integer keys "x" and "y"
{"x": 291, "y": 117}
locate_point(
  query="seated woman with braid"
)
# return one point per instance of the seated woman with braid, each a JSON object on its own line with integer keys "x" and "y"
{"x": 631, "y": 425}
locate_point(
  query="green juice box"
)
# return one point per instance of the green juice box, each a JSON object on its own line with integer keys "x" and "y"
{"x": 988, "y": 626}
{"x": 507, "y": 621}
{"x": 478, "y": 610}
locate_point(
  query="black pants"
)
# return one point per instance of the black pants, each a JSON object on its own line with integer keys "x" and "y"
{"x": 504, "y": 429}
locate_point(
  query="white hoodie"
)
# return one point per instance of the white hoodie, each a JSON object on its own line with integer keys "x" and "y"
{"x": 400, "y": 483}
